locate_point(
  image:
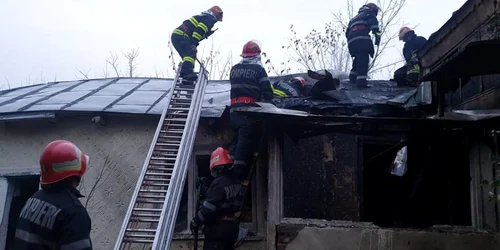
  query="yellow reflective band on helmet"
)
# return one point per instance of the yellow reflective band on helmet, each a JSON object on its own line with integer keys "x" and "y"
{"x": 214, "y": 160}
{"x": 75, "y": 164}
{"x": 197, "y": 36}
{"x": 203, "y": 27}
{"x": 188, "y": 59}
{"x": 193, "y": 21}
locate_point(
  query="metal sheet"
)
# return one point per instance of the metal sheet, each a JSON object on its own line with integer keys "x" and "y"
{"x": 14, "y": 106}
{"x": 141, "y": 98}
{"x": 43, "y": 107}
{"x": 135, "y": 81}
{"x": 65, "y": 98}
{"x": 133, "y": 109}
{"x": 92, "y": 103}
{"x": 115, "y": 89}
{"x": 156, "y": 85}
{"x": 92, "y": 85}
{"x": 21, "y": 90}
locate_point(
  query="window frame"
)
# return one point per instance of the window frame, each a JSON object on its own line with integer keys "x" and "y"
{"x": 258, "y": 198}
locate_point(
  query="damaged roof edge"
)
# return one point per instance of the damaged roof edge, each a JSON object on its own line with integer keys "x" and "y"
{"x": 457, "y": 17}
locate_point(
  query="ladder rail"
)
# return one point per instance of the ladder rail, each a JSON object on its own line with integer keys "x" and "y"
{"x": 133, "y": 201}
{"x": 170, "y": 209}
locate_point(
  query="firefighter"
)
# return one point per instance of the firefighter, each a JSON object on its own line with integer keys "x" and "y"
{"x": 221, "y": 206}
{"x": 249, "y": 84}
{"x": 409, "y": 73}
{"x": 290, "y": 88}
{"x": 360, "y": 43}
{"x": 187, "y": 37}
{"x": 54, "y": 218}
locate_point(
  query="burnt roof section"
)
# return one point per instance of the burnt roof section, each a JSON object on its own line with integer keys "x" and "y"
{"x": 148, "y": 96}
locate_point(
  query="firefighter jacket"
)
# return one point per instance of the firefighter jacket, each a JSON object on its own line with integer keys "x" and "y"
{"x": 290, "y": 88}
{"x": 53, "y": 219}
{"x": 412, "y": 46}
{"x": 358, "y": 32}
{"x": 197, "y": 27}
{"x": 249, "y": 79}
{"x": 223, "y": 199}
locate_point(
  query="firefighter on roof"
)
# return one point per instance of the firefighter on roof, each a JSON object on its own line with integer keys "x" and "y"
{"x": 222, "y": 203}
{"x": 187, "y": 37}
{"x": 290, "y": 88}
{"x": 54, "y": 218}
{"x": 360, "y": 43}
{"x": 409, "y": 73}
{"x": 249, "y": 84}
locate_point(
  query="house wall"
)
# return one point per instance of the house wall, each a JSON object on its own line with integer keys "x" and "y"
{"x": 123, "y": 141}
{"x": 344, "y": 236}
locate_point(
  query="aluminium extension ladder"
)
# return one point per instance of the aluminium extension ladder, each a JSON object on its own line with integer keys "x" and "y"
{"x": 150, "y": 218}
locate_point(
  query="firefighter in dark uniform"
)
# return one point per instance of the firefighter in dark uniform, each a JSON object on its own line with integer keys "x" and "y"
{"x": 54, "y": 218}
{"x": 187, "y": 37}
{"x": 249, "y": 84}
{"x": 290, "y": 88}
{"x": 409, "y": 73}
{"x": 222, "y": 204}
{"x": 360, "y": 43}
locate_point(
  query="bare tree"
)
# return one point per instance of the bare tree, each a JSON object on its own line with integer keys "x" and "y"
{"x": 131, "y": 58}
{"x": 328, "y": 49}
{"x": 282, "y": 69}
{"x": 83, "y": 75}
{"x": 113, "y": 60}
{"x": 101, "y": 177}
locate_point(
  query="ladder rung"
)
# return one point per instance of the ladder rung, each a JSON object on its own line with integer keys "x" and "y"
{"x": 159, "y": 174}
{"x": 177, "y": 114}
{"x": 141, "y": 209}
{"x": 184, "y": 89}
{"x": 145, "y": 215}
{"x": 157, "y": 179}
{"x": 173, "y": 131}
{"x": 170, "y": 137}
{"x": 160, "y": 168}
{"x": 152, "y": 191}
{"x": 162, "y": 159}
{"x": 132, "y": 240}
{"x": 162, "y": 144}
{"x": 174, "y": 125}
{"x": 141, "y": 235}
{"x": 175, "y": 119}
{"x": 135, "y": 219}
{"x": 155, "y": 184}
{"x": 183, "y": 109}
{"x": 149, "y": 201}
{"x": 141, "y": 230}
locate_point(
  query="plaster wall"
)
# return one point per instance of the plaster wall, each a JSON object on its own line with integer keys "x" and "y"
{"x": 122, "y": 144}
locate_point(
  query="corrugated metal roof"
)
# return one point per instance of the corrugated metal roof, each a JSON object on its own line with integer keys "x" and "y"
{"x": 148, "y": 96}
{"x": 116, "y": 95}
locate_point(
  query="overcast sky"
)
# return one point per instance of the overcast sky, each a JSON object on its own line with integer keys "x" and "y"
{"x": 46, "y": 40}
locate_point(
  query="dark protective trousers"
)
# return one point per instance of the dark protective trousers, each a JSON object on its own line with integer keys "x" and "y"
{"x": 407, "y": 75}
{"x": 247, "y": 131}
{"x": 359, "y": 69}
{"x": 221, "y": 235}
{"x": 187, "y": 51}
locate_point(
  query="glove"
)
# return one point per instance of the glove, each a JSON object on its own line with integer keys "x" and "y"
{"x": 377, "y": 40}
{"x": 193, "y": 226}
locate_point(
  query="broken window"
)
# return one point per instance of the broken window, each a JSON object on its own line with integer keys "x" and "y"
{"x": 21, "y": 189}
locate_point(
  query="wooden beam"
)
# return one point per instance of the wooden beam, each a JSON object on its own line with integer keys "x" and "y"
{"x": 275, "y": 190}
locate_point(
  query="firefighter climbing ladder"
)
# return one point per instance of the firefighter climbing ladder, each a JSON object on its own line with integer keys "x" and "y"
{"x": 150, "y": 219}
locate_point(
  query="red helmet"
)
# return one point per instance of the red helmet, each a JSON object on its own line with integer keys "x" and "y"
{"x": 403, "y": 31}
{"x": 219, "y": 157}
{"x": 217, "y": 12}
{"x": 61, "y": 159}
{"x": 251, "y": 48}
{"x": 301, "y": 80}
{"x": 372, "y": 6}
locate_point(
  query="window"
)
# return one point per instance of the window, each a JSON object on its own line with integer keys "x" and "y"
{"x": 19, "y": 191}
{"x": 187, "y": 209}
